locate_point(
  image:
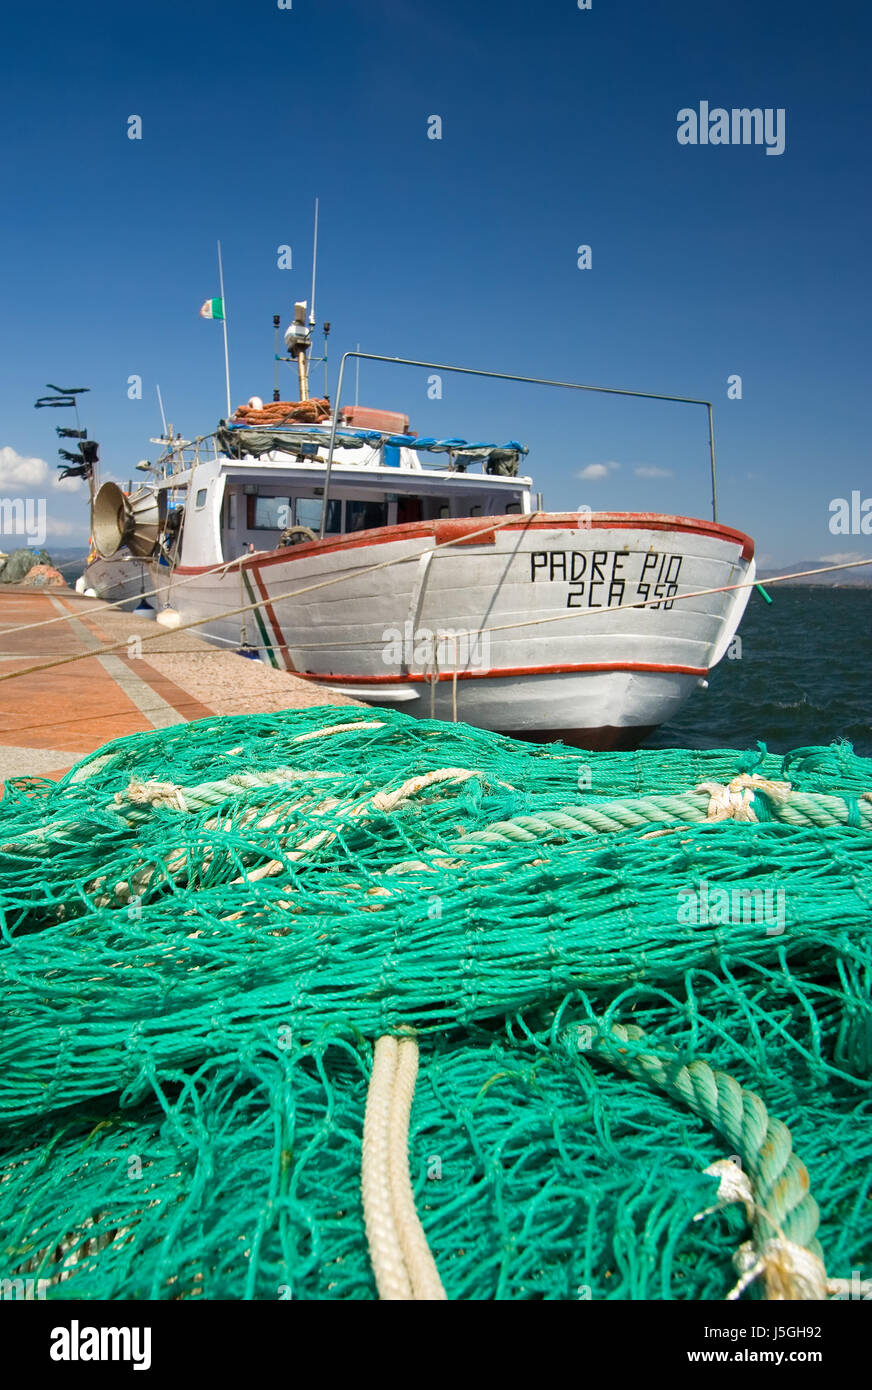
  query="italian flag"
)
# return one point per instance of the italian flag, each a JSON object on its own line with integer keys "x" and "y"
{"x": 212, "y": 309}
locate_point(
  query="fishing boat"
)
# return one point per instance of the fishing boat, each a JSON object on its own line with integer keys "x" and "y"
{"x": 422, "y": 573}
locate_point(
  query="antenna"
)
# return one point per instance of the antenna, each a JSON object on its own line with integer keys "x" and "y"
{"x": 276, "y": 323}
{"x": 314, "y": 268}
{"x": 162, "y": 415}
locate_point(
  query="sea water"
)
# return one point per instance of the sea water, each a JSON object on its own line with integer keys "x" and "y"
{"x": 801, "y": 674}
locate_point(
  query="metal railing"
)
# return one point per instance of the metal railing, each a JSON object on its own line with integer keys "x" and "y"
{"x": 505, "y": 376}
{"x": 188, "y": 454}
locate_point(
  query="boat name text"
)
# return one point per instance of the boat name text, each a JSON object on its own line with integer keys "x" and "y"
{"x": 599, "y": 580}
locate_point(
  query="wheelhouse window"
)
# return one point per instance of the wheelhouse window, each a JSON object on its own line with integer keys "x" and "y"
{"x": 201, "y": 497}
{"x": 308, "y": 513}
{"x": 409, "y": 509}
{"x": 270, "y": 513}
{"x": 363, "y": 516}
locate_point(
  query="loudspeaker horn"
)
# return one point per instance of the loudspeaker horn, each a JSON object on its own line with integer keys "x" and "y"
{"x": 135, "y": 520}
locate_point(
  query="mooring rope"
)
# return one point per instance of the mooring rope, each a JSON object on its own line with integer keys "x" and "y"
{"x": 119, "y": 602}
{"x": 400, "y": 559}
{"x": 256, "y": 603}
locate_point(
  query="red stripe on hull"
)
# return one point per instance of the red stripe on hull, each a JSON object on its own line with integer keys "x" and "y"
{"x": 268, "y": 609}
{"x": 511, "y": 671}
{"x": 458, "y": 529}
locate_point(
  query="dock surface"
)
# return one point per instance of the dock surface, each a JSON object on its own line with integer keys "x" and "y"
{"x": 51, "y": 718}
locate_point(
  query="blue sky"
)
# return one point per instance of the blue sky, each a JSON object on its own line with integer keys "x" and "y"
{"x": 558, "y": 129}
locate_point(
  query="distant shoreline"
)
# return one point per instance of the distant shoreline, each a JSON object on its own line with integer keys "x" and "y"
{"x": 822, "y": 583}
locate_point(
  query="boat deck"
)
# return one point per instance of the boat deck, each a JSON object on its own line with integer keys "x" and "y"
{"x": 51, "y": 718}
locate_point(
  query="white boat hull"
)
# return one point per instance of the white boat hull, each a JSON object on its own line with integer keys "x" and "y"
{"x": 550, "y": 640}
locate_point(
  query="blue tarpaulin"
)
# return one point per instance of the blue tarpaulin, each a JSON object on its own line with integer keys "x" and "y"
{"x": 354, "y": 437}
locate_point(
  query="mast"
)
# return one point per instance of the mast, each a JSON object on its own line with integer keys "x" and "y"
{"x": 298, "y": 336}
{"x": 314, "y": 268}
{"x": 162, "y": 411}
{"x": 224, "y": 326}
{"x": 298, "y": 339}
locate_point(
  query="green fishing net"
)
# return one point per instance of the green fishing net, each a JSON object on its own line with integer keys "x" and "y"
{"x": 206, "y": 928}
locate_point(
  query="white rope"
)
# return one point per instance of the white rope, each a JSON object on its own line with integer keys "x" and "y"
{"x": 166, "y": 587}
{"x": 388, "y": 1263}
{"x": 338, "y": 728}
{"x": 735, "y": 800}
{"x": 153, "y": 793}
{"x": 402, "y": 1263}
{"x": 249, "y": 607}
{"x": 734, "y": 1186}
{"x": 386, "y": 564}
{"x": 349, "y": 810}
{"x": 388, "y": 801}
{"x": 725, "y": 803}
{"x": 789, "y": 1271}
{"x": 423, "y": 1274}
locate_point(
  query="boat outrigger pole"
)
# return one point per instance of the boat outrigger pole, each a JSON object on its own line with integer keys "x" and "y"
{"x": 505, "y": 376}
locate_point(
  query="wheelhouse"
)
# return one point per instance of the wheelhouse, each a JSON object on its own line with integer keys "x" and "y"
{"x": 239, "y": 494}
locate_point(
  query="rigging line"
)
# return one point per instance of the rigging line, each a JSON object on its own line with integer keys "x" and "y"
{"x": 387, "y": 564}
{"x": 171, "y": 581}
{"x": 655, "y": 602}
{"x": 587, "y": 612}
{"x": 258, "y": 603}
{"x": 116, "y": 603}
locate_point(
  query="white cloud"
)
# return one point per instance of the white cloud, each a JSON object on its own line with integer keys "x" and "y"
{"x": 16, "y": 471}
{"x": 649, "y": 472}
{"x": 596, "y": 471}
{"x": 65, "y": 528}
{"x": 843, "y": 557}
{"x": 20, "y": 474}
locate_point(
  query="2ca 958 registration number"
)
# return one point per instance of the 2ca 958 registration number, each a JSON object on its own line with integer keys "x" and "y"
{"x": 606, "y": 578}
